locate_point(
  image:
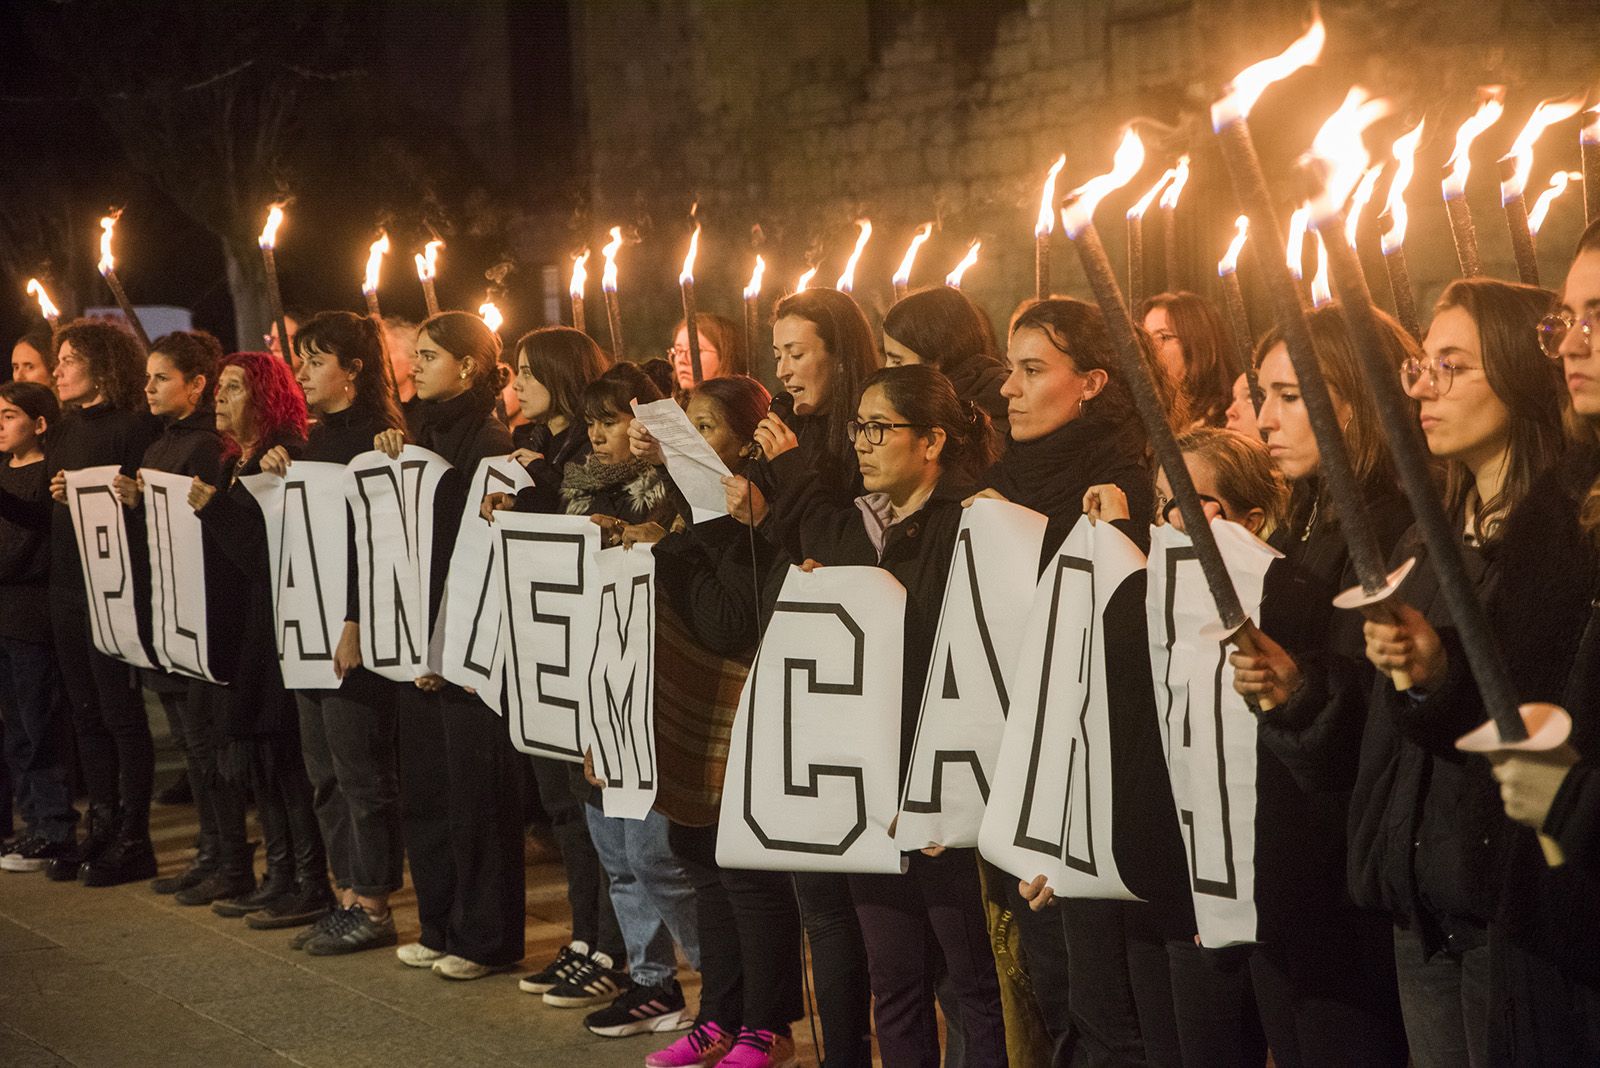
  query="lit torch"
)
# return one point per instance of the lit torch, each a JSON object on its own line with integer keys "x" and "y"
{"x": 575, "y": 288}
{"x": 1043, "y": 229}
{"x": 108, "y": 271}
{"x": 1489, "y": 111}
{"x": 902, "y": 276}
{"x": 1244, "y": 340}
{"x": 268, "y": 241}
{"x": 369, "y": 284}
{"x": 690, "y": 320}
{"x": 1321, "y": 289}
{"x": 490, "y": 314}
{"x": 1541, "y": 207}
{"x": 805, "y": 280}
{"x": 1358, "y": 203}
{"x": 1394, "y": 238}
{"x": 47, "y": 307}
{"x": 953, "y": 279}
{"x": 1135, "y": 219}
{"x": 847, "y": 280}
{"x": 1169, "y": 221}
{"x": 1295, "y": 248}
{"x": 1515, "y": 167}
{"x": 427, "y": 270}
{"x": 1338, "y": 153}
{"x": 752, "y": 306}
{"x": 1589, "y": 140}
{"x": 608, "y": 286}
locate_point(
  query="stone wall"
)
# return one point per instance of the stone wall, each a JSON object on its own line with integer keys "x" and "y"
{"x": 802, "y": 116}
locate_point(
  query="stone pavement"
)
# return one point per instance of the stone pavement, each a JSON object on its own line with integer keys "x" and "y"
{"x": 122, "y": 977}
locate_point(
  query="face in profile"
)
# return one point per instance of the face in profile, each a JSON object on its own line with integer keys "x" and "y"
{"x": 1461, "y": 416}
{"x": 233, "y": 405}
{"x": 1580, "y": 301}
{"x": 1284, "y": 418}
{"x": 74, "y": 384}
{"x": 1044, "y": 390}
{"x": 805, "y": 366}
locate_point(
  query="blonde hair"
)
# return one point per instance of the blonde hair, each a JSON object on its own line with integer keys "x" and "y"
{"x": 1246, "y": 476}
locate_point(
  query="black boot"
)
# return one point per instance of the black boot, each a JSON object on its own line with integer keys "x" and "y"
{"x": 102, "y": 831}
{"x": 131, "y": 858}
{"x": 207, "y": 859}
{"x": 307, "y": 903}
{"x": 235, "y": 875}
{"x": 277, "y": 883}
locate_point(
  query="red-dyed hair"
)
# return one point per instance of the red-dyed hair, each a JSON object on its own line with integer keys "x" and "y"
{"x": 280, "y": 407}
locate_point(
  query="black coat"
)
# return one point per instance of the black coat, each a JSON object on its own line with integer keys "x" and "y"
{"x": 571, "y": 446}
{"x": 24, "y": 556}
{"x": 189, "y": 446}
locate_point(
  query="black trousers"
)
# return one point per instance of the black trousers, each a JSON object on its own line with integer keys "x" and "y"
{"x": 283, "y": 806}
{"x": 113, "y": 732}
{"x": 838, "y": 968}
{"x": 347, "y": 737}
{"x": 460, "y": 795}
{"x": 1044, "y": 954}
{"x": 1121, "y": 989}
{"x": 562, "y": 790}
{"x": 750, "y": 958}
{"x": 219, "y": 803}
{"x": 1215, "y": 1003}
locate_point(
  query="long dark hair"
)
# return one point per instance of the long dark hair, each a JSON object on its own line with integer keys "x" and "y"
{"x": 925, "y": 397}
{"x": 1526, "y": 381}
{"x": 114, "y": 359}
{"x": 564, "y": 361}
{"x": 1078, "y": 331}
{"x": 612, "y": 392}
{"x": 357, "y": 342}
{"x": 1207, "y": 381}
{"x": 943, "y": 327}
{"x": 726, "y": 336}
{"x": 743, "y": 400}
{"x": 193, "y": 352}
{"x": 843, "y": 328}
{"x": 467, "y": 337}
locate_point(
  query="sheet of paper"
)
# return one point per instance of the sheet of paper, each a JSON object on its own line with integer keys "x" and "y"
{"x": 694, "y": 465}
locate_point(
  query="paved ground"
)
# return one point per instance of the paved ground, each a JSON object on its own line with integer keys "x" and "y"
{"x": 122, "y": 977}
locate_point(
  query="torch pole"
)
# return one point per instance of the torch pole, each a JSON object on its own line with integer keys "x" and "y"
{"x": 1136, "y": 293}
{"x": 1465, "y": 234}
{"x": 1244, "y": 340}
{"x": 1405, "y": 300}
{"x": 121, "y": 295}
{"x": 691, "y": 325}
{"x": 1516, "y": 209}
{"x": 275, "y": 298}
{"x": 577, "y": 314}
{"x": 1041, "y": 265}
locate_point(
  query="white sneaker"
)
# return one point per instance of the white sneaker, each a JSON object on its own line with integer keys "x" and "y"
{"x": 417, "y": 955}
{"x": 454, "y": 967}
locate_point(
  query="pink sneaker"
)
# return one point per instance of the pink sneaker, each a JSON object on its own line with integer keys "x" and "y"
{"x": 760, "y": 1049}
{"x": 700, "y": 1048}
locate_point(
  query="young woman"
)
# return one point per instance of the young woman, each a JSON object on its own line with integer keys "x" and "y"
{"x": 99, "y": 370}
{"x": 1323, "y": 973}
{"x": 709, "y": 620}
{"x": 1192, "y": 347}
{"x": 722, "y": 349}
{"x": 1544, "y": 935}
{"x": 941, "y": 327}
{"x": 463, "y": 820}
{"x": 553, "y": 366}
{"x": 259, "y": 409}
{"x": 919, "y": 449}
{"x": 824, "y": 353}
{"x": 347, "y": 734}
{"x": 1426, "y": 821}
{"x": 181, "y": 379}
{"x": 33, "y": 358}
{"x": 27, "y": 663}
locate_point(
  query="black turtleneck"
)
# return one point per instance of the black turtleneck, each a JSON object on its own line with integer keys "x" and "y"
{"x": 339, "y": 437}
{"x": 189, "y": 446}
{"x": 462, "y": 429}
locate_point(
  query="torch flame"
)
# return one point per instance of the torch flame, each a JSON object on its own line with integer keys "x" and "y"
{"x": 1229, "y": 263}
{"x": 1558, "y": 185}
{"x": 1047, "y": 200}
{"x": 953, "y": 279}
{"x": 428, "y": 260}
{"x": 1180, "y": 178}
{"x": 1547, "y": 114}
{"x": 902, "y": 277}
{"x": 1124, "y": 166}
{"x": 1321, "y": 293}
{"x": 805, "y": 280}
{"x": 1248, "y": 85}
{"x": 375, "y": 255}
{"x": 1340, "y": 152}
{"x": 580, "y": 275}
{"x": 269, "y": 232}
{"x": 47, "y": 307}
{"x": 1591, "y": 129}
{"x": 108, "y": 225}
{"x": 1489, "y": 111}
{"x": 1294, "y": 245}
{"x": 753, "y": 290}
{"x": 608, "y": 276}
{"x": 1405, "y": 158}
{"x": 491, "y": 316}
{"x": 686, "y": 276}
{"x": 1358, "y": 201}
{"x": 847, "y": 280}
{"x": 1142, "y": 205}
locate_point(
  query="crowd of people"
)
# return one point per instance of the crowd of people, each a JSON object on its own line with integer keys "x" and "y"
{"x": 1407, "y": 911}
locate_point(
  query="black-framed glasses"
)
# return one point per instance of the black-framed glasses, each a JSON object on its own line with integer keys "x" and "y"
{"x": 874, "y": 431}
{"x": 1553, "y": 330}
{"x": 1440, "y": 371}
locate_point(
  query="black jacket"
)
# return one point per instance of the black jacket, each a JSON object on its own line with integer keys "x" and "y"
{"x": 24, "y": 556}
{"x": 189, "y": 446}
{"x": 571, "y": 446}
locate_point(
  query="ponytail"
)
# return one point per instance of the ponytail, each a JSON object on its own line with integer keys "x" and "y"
{"x": 924, "y": 396}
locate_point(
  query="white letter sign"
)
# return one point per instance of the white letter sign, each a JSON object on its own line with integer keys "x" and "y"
{"x": 107, "y": 572}
{"x": 177, "y": 575}
{"x": 620, "y": 721}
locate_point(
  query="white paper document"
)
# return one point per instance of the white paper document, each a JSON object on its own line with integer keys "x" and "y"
{"x": 694, "y": 465}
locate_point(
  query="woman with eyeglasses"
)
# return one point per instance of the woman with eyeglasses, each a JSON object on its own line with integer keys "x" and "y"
{"x": 722, "y": 350}
{"x": 1543, "y": 1000}
{"x": 919, "y": 449}
{"x": 1323, "y": 973}
{"x": 1192, "y": 346}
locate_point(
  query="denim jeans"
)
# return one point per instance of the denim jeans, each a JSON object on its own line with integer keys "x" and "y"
{"x": 347, "y": 737}
{"x": 1445, "y": 1001}
{"x": 650, "y": 891}
{"x": 561, "y": 788}
{"x": 32, "y": 739}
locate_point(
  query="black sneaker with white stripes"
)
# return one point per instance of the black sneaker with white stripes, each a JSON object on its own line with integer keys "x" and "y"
{"x": 592, "y": 981}
{"x": 639, "y": 1009}
{"x": 557, "y": 971}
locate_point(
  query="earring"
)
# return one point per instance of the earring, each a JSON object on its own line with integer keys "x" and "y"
{"x": 463, "y": 376}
